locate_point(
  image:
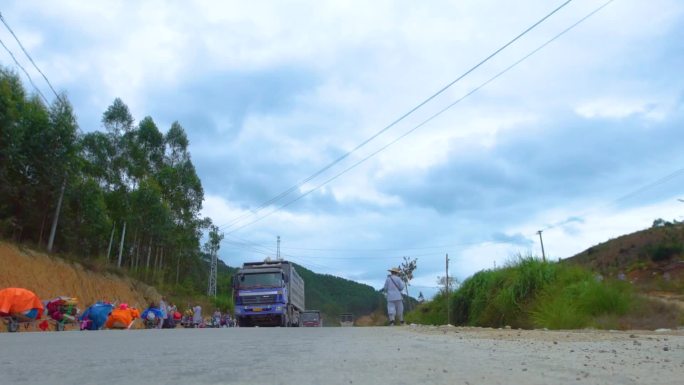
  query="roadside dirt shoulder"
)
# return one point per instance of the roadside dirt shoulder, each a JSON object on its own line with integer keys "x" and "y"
{"x": 584, "y": 335}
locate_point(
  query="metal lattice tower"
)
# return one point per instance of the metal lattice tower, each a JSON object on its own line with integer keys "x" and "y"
{"x": 212, "y": 274}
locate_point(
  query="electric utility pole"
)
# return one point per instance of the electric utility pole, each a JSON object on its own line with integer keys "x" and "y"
{"x": 447, "y": 290}
{"x": 542, "y": 245}
{"x": 278, "y": 250}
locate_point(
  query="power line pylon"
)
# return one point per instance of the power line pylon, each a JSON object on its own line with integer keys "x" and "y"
{"x": 213, "y": 273}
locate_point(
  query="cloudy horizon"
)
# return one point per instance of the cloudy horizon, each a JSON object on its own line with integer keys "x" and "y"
{"x": 272, "y": 92}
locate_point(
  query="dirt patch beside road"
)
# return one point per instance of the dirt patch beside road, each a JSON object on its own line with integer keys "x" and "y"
{"x": 586, "y": 335}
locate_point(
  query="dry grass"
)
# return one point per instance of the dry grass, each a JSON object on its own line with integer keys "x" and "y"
{"x": 650, "y": 314}
{"x": 377, "y": 318}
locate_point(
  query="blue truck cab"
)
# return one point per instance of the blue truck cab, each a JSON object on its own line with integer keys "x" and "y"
{"x": 268, "y": 293}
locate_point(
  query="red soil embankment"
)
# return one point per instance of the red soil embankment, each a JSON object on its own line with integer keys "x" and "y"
{"x": 51, "y": 277}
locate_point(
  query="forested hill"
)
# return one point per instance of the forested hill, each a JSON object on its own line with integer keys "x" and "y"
{"x": 334, "y": 295}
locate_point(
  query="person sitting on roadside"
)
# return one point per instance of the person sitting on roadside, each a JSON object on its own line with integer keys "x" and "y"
{"x": 216, "y": 318}
{"x": 187, "y": 317}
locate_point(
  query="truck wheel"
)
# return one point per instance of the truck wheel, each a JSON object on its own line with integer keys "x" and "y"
{"x": 242, "y": 322}
{"x": 12, "y": 326}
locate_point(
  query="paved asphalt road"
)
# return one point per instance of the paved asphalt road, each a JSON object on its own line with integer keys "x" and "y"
{"x": 398, "y": 355}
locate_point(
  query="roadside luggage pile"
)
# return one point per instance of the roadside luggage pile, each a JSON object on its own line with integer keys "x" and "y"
{"x": 62, "y": 310}
{"x": 22, "y": 307}
{"x": 19, "y": 307}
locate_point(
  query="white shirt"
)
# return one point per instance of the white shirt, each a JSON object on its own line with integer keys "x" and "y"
{"x": 393, "y": 286}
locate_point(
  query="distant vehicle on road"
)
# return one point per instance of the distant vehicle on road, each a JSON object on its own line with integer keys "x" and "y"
{"x": 268, "y": 293}
{"x": 311, "y": 318}
{"x": 346, "y": 319}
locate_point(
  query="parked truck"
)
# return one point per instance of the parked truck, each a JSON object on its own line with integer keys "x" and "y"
{"x": 268, "y": 293}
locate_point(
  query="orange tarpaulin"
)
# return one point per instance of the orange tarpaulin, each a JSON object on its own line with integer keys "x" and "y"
{"x": 122, "y": 318}
{"x": 15, "y": 300}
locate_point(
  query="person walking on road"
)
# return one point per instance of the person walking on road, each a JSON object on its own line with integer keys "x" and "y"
{"x": 393, "y": 287}
{"x": 164, "y": 311}
{"x": 197, "y": 320}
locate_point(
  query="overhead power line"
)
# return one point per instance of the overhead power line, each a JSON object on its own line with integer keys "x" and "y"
{"x": 25, "y": 72}
{"x": 440, "y": 112}
{"x": 27, "y": 55}
{"x": 402, "y": 117}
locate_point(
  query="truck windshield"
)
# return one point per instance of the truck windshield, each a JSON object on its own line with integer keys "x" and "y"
{"x": 310, "y": 317}
{"x": 260, "y": 280}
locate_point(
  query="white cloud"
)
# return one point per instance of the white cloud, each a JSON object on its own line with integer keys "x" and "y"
{"x": 616, "y": 108}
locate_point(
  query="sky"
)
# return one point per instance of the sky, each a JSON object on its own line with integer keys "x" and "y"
{"x": 582, "y": 140}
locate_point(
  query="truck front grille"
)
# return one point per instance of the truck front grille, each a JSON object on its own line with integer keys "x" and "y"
{"x": 257, "y": 299}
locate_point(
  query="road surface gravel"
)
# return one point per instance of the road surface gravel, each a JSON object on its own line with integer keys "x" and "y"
{"x": 375, "y": 355}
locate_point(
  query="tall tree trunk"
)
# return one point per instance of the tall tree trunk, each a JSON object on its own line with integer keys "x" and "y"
{"x": 156, "y": 260}
{"x": 111, "y": 240}
{"x": 178, "y": 267}
{"x": 42, "y": 228}
{"x": 161, "y": 265}
{"x": 137, "y": 254}
{"x": 149, "y": 252}
{"x": 53, "y": 230}
{"x": 123, "y": 235}
{"x": 132, "y": 256}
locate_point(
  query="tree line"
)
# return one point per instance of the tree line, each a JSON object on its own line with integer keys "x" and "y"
{"x": 128, "y": 195}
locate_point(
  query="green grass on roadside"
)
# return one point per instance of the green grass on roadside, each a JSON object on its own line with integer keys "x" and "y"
{"x": 530, "y": 293}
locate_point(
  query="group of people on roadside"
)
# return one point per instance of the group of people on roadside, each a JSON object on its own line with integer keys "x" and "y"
{"x": 193, "y": 318}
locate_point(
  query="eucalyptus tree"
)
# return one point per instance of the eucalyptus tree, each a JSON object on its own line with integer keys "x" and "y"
{"x": 183, "y": 191}
{"x": 61, "y": 144}
{"x": 149, "y": 148}
{"x": 118, "y": 122}
{"x": 29, "y": 174}
{"x": 12, "y": 156}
